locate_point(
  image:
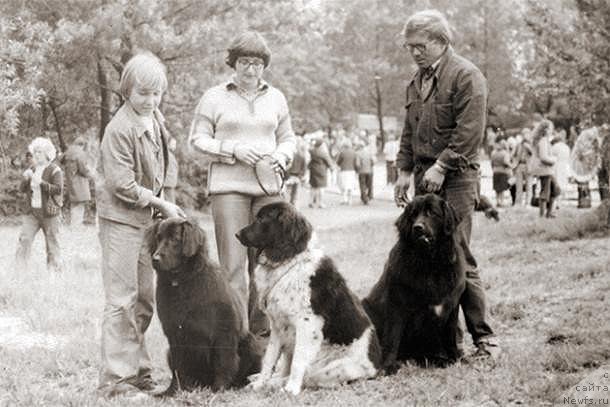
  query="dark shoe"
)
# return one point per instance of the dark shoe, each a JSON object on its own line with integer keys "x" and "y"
{"x": 487, "y": 348}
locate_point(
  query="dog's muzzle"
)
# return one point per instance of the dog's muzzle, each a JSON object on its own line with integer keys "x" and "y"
{"x": 420, "y": 235}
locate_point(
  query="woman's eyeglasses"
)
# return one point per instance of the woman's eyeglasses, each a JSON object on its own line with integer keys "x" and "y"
{"x": 248, "y": 62}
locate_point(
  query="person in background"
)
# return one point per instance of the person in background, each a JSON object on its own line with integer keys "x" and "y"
{"x": 523, "y": 151}
{"x": 544, "y": 167}
{"x": 319, "y": 167}
{"x": 364, "y": 168}
{"x": 297, "y": 171}
{"x": 490, "y": 140}
{"x": 501, "y": 165}
{"x": 236, "y": 124}
{"x": 390, "y": 151}
{"x": 79, "y": 176}
{"x": 563, "y": 171}
{"x": 347, "y": 173}
{"x": 131, "y": 168}
{"x": 603, "y": 174}
{"x": 43, "y": 184}
{"x": 446, "y": 110}
{"x": 171, "y": 177}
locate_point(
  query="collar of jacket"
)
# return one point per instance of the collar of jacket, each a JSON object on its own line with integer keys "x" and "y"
{"x": 442, "y": 63}
{"x": 136, "y": 121}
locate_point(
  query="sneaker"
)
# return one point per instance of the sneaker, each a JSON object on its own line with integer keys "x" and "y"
{"x": 487, "y": 348}
{"x": 125, "y": 391}
{"x": 146, "y": 383}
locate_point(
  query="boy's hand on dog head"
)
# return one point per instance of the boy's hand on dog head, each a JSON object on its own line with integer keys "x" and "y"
{"x": 170, "y": 210}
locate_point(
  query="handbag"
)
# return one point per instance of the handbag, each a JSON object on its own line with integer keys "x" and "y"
{"x": 270, "y": 180}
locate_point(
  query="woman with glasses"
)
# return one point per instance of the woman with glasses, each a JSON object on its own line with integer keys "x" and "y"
{"x": 236, "y": 124}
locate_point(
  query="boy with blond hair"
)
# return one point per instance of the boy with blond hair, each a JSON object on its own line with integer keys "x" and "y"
{"x": 132, "y": 167}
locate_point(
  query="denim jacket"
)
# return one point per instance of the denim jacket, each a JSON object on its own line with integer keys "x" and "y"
{"x": 448, "y": 125}
{"x": 131, "y": 168}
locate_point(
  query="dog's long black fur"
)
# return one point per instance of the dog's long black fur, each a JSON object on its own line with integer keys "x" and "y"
{"x": 415, "y": 303}
{"x": 199, "y": 314}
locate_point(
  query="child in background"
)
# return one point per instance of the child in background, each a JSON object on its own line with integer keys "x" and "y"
{"x": 346, "y": 161}
{"x": 132, "y": 168}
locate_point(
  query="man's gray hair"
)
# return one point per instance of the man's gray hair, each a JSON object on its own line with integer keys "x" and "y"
{"x": 431, "y": 22}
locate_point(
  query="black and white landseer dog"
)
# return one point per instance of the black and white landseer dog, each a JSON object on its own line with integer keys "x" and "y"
{"x": 317, "y": 324}
{"x": 209, "y": 345}
{"x": 415, "y": 303}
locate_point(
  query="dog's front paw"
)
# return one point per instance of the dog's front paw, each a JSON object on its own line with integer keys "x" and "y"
{"x": 256, "y": 385}
{"x": 276, "y": 382}
{"x": 390, "y": 368}
{"x": 292, "y": 388}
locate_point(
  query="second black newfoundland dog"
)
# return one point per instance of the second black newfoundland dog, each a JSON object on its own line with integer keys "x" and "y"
{"x": 415, "y": 303}
{"x": 209, "y": 345}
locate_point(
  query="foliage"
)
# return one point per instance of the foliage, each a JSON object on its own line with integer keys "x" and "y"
{"x": 571, "y": 57}
{"x": 62, "y": 59}
{"x": 11, "y": 198}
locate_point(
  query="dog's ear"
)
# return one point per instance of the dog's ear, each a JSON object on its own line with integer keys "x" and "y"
{"x": 151, "y": 236}
{"x": 404, "y": 221}
{"x": 293, "y": 235}
{"x": 300, "y": 232}
{"x": 450, "y": 219}
{"x": 193, "y": 238}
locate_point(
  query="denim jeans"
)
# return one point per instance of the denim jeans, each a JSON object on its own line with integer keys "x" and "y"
{"x": 461, "y": 191}
{"x": 32, "y": 223}
{"x": 232, "y": 212}
{"x": 128, "y": 279}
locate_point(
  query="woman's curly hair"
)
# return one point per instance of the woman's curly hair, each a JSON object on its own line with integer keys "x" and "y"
{"x": 544, "y": 128}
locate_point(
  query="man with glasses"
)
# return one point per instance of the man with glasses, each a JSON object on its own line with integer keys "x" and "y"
{"x": 443, "y": 131}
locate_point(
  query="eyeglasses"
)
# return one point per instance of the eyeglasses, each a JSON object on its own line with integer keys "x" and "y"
{"x": 421, "y": 48}
{"x": 248, "y": 62}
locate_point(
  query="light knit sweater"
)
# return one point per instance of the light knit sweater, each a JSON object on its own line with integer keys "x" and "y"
{"x": 224, "y": 118}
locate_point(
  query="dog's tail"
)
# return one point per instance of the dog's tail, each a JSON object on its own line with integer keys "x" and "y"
{"x": 251, "y": 350}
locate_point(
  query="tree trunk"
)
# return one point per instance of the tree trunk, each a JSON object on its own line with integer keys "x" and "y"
{"x": 104, "y": 97}
{"x": 58, "y": 129}
{"x": 378, "y": 102}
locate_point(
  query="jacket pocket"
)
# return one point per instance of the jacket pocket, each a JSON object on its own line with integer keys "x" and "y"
{"x": 443, "y": 112}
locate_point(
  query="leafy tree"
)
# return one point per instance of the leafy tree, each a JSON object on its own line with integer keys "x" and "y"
{"x": 571, "y": 56}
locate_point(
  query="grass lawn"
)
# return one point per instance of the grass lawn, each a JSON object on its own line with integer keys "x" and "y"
{"x": 548, "y": 287}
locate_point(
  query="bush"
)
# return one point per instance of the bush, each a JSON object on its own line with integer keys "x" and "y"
{"x": 12, "y": 201}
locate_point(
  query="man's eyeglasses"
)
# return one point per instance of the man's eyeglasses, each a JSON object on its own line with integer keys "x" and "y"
{"x": 421, "y": 48}
{"x": 247, "y": 62}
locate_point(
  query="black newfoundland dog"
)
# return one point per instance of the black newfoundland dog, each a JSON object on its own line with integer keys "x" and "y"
{"x": 415, "y": 303}
{"x": 209, "y": 345}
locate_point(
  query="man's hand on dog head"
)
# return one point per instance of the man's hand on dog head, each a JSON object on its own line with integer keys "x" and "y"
{"x": 400, "y": 189}
{"x": 434, "y": 178}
